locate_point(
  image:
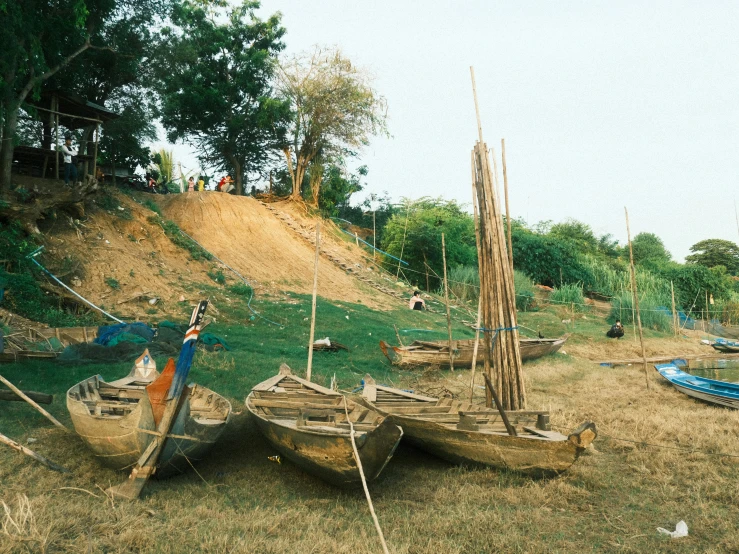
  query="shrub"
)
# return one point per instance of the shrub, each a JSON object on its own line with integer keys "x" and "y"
{"x": 568, "y": 295}
{"x": 242, "y": 289}
{"x": 153, "y": 206}
{"x": 113, "y": 283}
{"x": 217, "y": 276}
{"x": 525, "y": 297}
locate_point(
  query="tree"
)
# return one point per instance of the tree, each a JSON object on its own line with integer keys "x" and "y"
{"x": 214, "y": 79}
{"x": 578, "y": 233}
{"x": 421, "y": 242}
{"x": 715, "y": 252}
{"x": 335, "y": 111}
{"x": 40, "y": 38}
{"x": 649, "y": 247}
{"x": 338, "y": 187}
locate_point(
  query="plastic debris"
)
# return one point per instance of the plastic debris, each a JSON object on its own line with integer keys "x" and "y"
{"x": 31, "y": 440}
{"x": 681, "y": 530}
{"x": 275, "y": 459}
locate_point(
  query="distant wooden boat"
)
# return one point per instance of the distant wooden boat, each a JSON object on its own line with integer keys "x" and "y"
{"x": 727, "y": 346}
{"x": 118, "y": 420}
{"x": 425, "y": 353}
{"x": 470, "y": 434}
{"x": 307, "y": 424}
{"x": 708, "y": 390}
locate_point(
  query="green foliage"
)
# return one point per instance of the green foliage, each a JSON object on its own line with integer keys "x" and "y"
{"x": 692, "y": 281}
{"x": 568, "y": 294}
{"x": 715, "y": 252}
{"x": 579, "y": 234}
{"x": 374, "y": 206}
{"x": 338, "y": 187}
{"x": 217, "y": 276}
{"x": 214, "y": 75}
{"x": 242, "y": 289}
{"x": 464, "y": 283}
{"x": 428, "y": 218}
{"x": 153, "y": 207}
{"x": 163, "y": 165}
{"x": 525, "y": 297}
{"x": 652, "y": 317}
{"x": 649, "y": 247}
{"x": 113, "y": 283}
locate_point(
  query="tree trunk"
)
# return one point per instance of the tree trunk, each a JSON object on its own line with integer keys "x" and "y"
{"x": 316, "y": 178}
{"x": 238, "y": 173}
{"x": 6, "y": 150}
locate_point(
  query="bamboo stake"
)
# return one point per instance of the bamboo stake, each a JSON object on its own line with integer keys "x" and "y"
{"x": 474, "y": 350}
{"x": 507, "y": 211}
{"x": 43, "y": 412}
{"x": 402, "y": 246}
{"x": 705, "y": 319}
{"x": 479, "y": 300}
{"x": 28, "y": 452}
{"x": 636, "y": 297}
{"x": 675, "y": 324}
{"x": 446, "y": 301}
{"x": 313, "y": 306}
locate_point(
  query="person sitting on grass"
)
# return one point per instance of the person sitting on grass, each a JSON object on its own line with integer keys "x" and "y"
{"x": 616, "y": 331}
{"x": 416, "y": 302}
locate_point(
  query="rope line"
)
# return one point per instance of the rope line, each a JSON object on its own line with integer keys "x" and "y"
{"x": 32, "y": 257}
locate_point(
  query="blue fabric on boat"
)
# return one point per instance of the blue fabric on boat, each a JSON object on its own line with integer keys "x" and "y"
{"x": 106, "y": 333}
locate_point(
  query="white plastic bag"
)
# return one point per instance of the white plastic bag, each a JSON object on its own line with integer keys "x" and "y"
{"x": 680, "y": 531}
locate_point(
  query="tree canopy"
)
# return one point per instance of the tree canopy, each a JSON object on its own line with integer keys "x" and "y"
{"x": 649, "y": 247}
{"x": 214, "y": 75}
{"x": 715, "y": 252}
{"x": 335, "y": 110}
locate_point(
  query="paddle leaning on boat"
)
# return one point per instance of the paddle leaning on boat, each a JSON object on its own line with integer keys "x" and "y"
{"x": 716, "y": 392}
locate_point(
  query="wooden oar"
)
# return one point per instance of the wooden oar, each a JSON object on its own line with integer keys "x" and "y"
{"x": 20, "y": 393}
{"x": 146, "y": 465}
{"x": 28, "y": 452}
{"x": 511, "y": 430}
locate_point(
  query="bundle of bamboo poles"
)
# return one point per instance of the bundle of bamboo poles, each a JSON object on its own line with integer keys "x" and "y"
{"x": 502, "y": 361}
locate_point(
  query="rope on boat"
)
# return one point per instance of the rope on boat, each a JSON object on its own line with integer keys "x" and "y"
{"x": 240, "y": 276}
{"x": 364, "y": 481}
{"x": 32, "y": 257}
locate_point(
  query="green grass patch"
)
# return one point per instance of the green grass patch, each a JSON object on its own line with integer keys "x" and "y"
{"x": 173, "y": 232}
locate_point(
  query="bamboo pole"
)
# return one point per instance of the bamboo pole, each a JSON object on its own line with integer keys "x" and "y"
{"x": 20, "y": 393}
{"x": 95, "y": 156}
{"x": 402, "y": 246}
{"x": 313, "y": 306}
{"x": 28, "y": 452}
{"x": 636, "y": 298}
{"x": 474, "y": 350}
{"x": 479, "y": 299}
{"x": 507, "y": 211}
{"x": 446, "y": 301}
{"x": 374, "y": 236}
{"x": 675, "y": 324}
{"x": 55, "y": 102}
{"x": 705, "y": 319}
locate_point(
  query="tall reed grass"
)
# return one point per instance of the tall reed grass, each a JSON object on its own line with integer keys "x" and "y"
{"x": 569, "y": 294}
{"x": 652, "y": 317}
{"x": 464, "y": 284}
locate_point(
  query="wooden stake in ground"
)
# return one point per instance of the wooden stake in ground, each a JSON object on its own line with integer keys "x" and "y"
{"x": 28, "y": 452}
{"x": 20, "y": 393}
{"x": 479, "y": 299}
{"x": 474, "y": 350}
{"x": 706, "y": 318}
{"x": 636, "y": 297}
{"x": 507, "y": 211}
{"x": 402, "y": 246}
{"x": 675, "y": 324}
{"x": 313, "y": 306}
{"x": 446, "y": 301}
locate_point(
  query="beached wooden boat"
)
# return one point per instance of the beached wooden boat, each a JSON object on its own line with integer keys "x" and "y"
{"x": 426, "y": 353}
{"x": 118, "y": 420}
{"x": 708, "y": 390}
{"x": 470, "y": 434}
{"x": 307, "y": 424}
{"x": 727, "y": 346}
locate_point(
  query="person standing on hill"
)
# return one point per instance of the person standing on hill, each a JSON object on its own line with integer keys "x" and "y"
{"x": 201, "y": 185}
{"x": 191, "y": 184}
{"x": 70, "y": 169}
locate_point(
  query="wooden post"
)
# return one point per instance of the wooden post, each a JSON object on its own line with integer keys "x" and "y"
{"x": 675, "y": 324}
{"x": 511, "y": 430}
{"x": 356, "y": 238}
{"x": 507, "y": 211}
{"x": 28, "y": 452}
{"x": 313, "y": 306}
{"x": 636, "y": 297}
{"x": 402, "y": 246}
{"x": 705, "y": 318}
{"x": 446, "y": 300}
{"x": 20, "y": 393}
{"x": 374, "y": 236}
{"x": 474, "y": 350}
{"x": 55, "y": 103}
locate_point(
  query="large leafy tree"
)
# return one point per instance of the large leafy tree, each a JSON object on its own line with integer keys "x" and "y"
{"x": 214, "y": 77}
{"x": 42, "y": 37}
{"x": 648, "y": 247}
{"x": 335, "y": 111}
{"x": 715, "y": 252}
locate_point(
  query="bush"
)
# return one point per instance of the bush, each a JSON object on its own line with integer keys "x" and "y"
{"x": 242, "y": 289}
{"x": 525, "y": 297}
{"x": 652, "y": 312}
{"x": 568, "y": 295}
{"x": 217, "y": 276}
{"x": 464, "y": 283}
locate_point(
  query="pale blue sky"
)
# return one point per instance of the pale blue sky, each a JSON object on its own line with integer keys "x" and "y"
{"x": 602, "y": 104}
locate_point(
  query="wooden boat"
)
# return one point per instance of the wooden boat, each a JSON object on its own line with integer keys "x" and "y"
{"x": 708, "y": 390}
{"x": 727, "y": 346}
{"x": 118, "y": 420}
{"x": 307, "y": 424}
{"x": 437, "y": 352}
{"x": 470, "y": 434}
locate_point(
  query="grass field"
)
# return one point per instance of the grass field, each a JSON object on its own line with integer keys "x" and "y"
{"x": 611, "y": 500}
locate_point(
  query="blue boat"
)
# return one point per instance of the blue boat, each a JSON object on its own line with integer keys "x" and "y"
{"x": 708, "y": 390}
{"x": 727, "y": 346}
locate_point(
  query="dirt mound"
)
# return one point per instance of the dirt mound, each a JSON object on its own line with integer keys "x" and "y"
{"x": 250, "y": 238}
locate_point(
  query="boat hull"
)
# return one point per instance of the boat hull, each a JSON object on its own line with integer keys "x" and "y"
{"x": 331, "y": 457}
{"x": 712, "y": 391}
{"x": 118, "y": 441}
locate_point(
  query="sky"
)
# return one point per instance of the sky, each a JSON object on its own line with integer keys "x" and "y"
{"x": 603, "y": 105}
